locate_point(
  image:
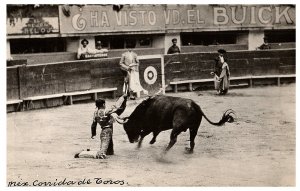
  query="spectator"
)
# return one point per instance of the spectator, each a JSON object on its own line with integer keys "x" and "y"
{"x": 174, "y": 49}
{"x": 84, "y": 50}
{"x": 221, "y": 73}
{"x": 99, "y": 47}
{"x": 265, "y": 45}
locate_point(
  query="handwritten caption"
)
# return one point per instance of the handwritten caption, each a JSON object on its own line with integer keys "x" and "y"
{"x": 66, "y": 182}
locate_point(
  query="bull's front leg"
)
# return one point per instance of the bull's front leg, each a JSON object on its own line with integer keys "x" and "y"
{"x": 153, "y": 140}
{"x": 143, "y": 135}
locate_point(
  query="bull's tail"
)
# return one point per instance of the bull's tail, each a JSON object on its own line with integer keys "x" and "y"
{"x": 227, "y": 117}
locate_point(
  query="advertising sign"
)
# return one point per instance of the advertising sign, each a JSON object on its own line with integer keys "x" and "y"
{"x": 102, "y": 18}
{"x": 32, "y": 20}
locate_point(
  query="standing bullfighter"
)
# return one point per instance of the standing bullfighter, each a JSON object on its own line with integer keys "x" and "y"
{"x": 221, "y": 73}
{"x": 129, "y": 65}
{"x": 129, "y": 62}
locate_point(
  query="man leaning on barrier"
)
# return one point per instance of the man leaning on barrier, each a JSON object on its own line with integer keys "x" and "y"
{"x": 84, "y": 51}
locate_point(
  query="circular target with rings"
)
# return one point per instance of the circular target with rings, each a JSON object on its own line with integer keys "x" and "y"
{"x": 150, "y": 75}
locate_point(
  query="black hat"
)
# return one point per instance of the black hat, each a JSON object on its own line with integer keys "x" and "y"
{"x": 84, "y": 40}
{"x": 174, "y": 39}
{"x": 100, "y": 102}
{"x": 222, "y": 51}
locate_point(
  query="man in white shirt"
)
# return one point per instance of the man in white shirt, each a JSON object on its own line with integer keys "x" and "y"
{"x": 84, "y": 50}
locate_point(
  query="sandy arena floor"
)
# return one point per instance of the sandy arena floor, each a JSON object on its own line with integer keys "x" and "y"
{"x": 257, "y": 150}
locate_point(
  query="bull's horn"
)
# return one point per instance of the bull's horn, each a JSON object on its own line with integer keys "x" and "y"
{"x": 120, "y": 120}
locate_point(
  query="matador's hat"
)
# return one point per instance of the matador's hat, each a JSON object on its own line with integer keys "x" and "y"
{"x": 222, "y": 51}
{"x": 100, "y": 102}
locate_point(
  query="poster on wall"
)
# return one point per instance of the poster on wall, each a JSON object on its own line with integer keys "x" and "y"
{"x": 32, "y": 20}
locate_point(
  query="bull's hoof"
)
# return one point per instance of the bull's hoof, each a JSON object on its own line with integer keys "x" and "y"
{"x": 76, "y": 155}
{"x": 152, "y": 142}
{"x": 100, "y": 156}
{"x": 188, "y": 150}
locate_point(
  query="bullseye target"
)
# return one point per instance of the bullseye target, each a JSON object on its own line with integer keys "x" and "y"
{"x": 150, "y": 75}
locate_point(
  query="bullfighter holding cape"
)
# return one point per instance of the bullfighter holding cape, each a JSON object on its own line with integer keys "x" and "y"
{"x": 105, "y": 118}
{"x": 221, "y": 73}
{"x": 129, "y": 65}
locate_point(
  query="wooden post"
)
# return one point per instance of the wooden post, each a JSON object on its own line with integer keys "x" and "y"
{"x": 70, "y": 100}
{"x": 29, "y": 104}
{"x": 65, "y": 100}
{"x": 95, "y": 96}
{"x": 163, "y": 82}
{"x": 250, "y": 82}
{"x": 175, "y": 88}
{"x": 20, "y": 107}
{"x": 190, "y": 87}
{"x": 46, "y": 102}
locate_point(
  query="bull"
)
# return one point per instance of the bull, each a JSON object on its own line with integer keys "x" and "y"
{"x": 161, "y": 113}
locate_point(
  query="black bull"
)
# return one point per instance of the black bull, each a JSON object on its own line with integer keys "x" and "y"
{"x": 161, "y": 113}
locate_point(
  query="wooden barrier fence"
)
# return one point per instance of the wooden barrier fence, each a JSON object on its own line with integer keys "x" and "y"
{"x": 197, "y": 66}
{"x": 27, "y": 81}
